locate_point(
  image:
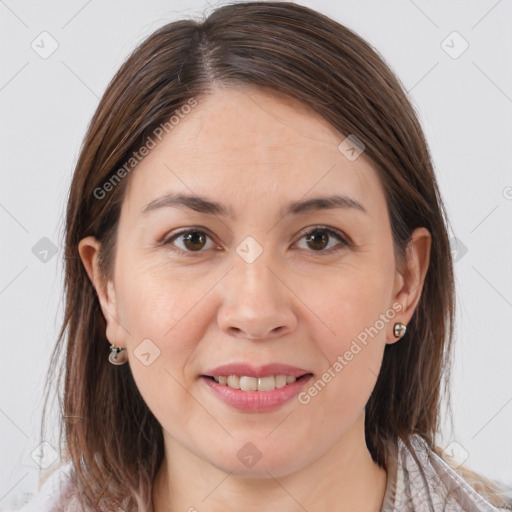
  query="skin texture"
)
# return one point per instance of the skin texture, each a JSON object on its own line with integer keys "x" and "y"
{"x": 295, "y": 304}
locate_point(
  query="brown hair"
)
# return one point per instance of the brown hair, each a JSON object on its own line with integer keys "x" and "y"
{"x": 112, "y": 438}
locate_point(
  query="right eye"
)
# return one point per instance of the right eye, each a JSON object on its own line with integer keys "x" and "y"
{"x": 192, "y": 240}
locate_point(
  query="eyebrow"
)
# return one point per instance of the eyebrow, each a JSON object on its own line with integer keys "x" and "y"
{"x": 206, "y": 205}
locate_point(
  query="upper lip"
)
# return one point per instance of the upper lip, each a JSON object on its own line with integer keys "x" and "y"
{"x": 244, "y": 369}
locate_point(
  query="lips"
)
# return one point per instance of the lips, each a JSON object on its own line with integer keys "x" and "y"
{"x": 262, "y": 400}
{"x": 256, "y": 389}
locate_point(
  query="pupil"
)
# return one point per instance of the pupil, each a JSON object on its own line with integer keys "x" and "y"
{"x": 194, "y": 237}
{"x": 318, "y": 237}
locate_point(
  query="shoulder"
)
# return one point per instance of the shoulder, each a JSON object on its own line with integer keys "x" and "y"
{"x": 419, "y": 479}
{"x": 56, "y": 494}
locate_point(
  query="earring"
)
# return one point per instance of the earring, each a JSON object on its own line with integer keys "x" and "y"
{"x": 399, "y": 329}
{"x": 117, "y": 356}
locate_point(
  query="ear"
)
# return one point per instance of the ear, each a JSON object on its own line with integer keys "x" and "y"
{"x": 88, "y": 248}
{"x": 409, "y": 281}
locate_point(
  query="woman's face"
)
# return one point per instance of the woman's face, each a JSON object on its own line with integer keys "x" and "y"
{"x": 259, "y": 272}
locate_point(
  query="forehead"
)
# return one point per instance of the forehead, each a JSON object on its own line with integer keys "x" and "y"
{"x": 249, "y": 144}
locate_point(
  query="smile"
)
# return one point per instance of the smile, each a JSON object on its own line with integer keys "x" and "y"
{"x": 246, "y": 383}
{"x": 269, "y": 397}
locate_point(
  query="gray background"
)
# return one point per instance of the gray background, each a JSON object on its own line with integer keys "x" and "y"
{"x": 464, "y": 103}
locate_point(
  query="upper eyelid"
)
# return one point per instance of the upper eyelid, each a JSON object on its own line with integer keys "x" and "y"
{"x": 188, "y": 230}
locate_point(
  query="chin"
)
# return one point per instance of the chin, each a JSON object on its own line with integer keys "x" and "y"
{"x": 248, "y": 463}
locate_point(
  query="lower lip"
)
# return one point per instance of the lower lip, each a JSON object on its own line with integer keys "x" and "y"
{"x": 256, "y": 401}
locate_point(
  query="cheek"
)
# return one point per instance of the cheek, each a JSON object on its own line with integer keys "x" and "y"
{"x": 356, "y": 318}
{"x": 162, "y": 318}
{"x": 156, "y": 301}
{"x": 161, "y": 315}
{"x": 347, "y": 305}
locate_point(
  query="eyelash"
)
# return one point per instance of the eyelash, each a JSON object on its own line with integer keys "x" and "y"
{"x": 329, "y": 231}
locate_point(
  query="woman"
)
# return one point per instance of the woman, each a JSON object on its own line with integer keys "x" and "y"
{"x": 259, "y": 282}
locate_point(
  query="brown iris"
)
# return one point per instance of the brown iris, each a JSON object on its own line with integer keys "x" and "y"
{"x": 318, "y": 238}
{"x": 194, "y": 240}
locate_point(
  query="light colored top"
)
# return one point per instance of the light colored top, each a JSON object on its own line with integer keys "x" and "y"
{"x": 421, "y": 481}
{"x": 418, "y": 481}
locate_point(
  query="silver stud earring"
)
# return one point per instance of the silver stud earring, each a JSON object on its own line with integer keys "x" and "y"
{"x": 399, "y": 329}
{"x": 117, "y": 356}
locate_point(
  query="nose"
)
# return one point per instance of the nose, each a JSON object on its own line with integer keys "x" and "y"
{"x": 256, "y": 304}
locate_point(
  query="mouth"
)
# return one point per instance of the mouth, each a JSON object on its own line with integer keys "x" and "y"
{"x": 262, "y": 384}
{"x": 245, "y": 377}
{"x": 265, "y": 392}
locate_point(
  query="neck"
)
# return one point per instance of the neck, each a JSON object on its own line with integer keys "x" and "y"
{"x": 344, "y": 479}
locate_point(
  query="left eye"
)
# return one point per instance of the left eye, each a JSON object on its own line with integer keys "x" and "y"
{"x": 319, "y": 239}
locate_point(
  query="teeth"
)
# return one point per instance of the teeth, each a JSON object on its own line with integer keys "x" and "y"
{"x": 248, "y": 384}
{"x": 255, "y": 383}
{"x": 234, "y": 381}
{"x": 266, "y": 383}
{"x": 280, "y": 381}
